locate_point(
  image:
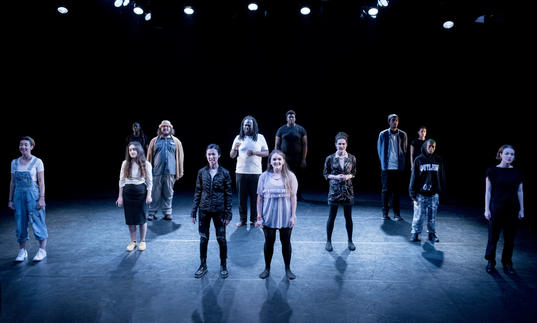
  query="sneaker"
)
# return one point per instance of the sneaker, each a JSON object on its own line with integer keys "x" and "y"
{"x": 240, "y": 224}
{"x": 397, "y": 217}
{"x": 385, "y": 217}
{"x": 40, "y": 255}
{"x": 289, "y": 274}
{"x": 168, "y": 217}
{"x": 351, "y": 246}
{"x": 265, "y": 273}
{"x": 142, "y": 246}
{"x": 414, "y": 237}
{"x": 508, "y": 269}
{"x": 223, "y": 271}
{"x": 22, "y": 255}
{"x": 490, "y": 267}
{"x": 328, "y": 246}
{"x": 202, "y": 270}
{"x": 433, "y": 237}
{"x": 131, "y": 246}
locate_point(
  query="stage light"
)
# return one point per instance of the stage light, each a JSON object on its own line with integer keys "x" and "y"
{"x": 253, "y": 6}
{"x": 138, "y": 10}
{"x": 118, "y": 3}
{"x": 373, "y": 12}
{"x": 62, "y": 10}
{"x": 126, "y": 3}
{"x": 147, "y": 16}
{"x": 305, "y": 11}
{"x": 189, "y": 10}
{"x": 480, "y": 19}
{"x": 383, "y": 3}
{"x": 448, "y": 24}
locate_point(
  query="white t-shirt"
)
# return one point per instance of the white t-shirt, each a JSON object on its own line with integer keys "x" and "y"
{"x": 393, "y": 158}
{"x": 38, "y": 167}
{"x": 250, "y": 164}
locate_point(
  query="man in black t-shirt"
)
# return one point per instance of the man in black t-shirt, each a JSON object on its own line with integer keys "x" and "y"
{"x": 292, "y": 140}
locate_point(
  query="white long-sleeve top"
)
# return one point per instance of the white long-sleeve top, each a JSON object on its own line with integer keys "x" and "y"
{"x": 136, "y": 176}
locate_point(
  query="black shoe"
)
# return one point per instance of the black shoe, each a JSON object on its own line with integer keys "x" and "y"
{"x": 168, "y": 217}
{"x": 414, "y": 237}
{"x": 202, "y": 270}
{"x": 289, "y": 274}
{"x": 223, "y": 271}
{"x": 433, "y": 237}
{"x": 351, "y": 246}
{"x": 385, "y": 217}
{"x": 151, "y": 217}
{"x": 397, "y": 217}
{"x": 328, "y": 246}
{"x": 265, "y": 273}
{"x": 490, "y": 267}
{"x": 508, "y": 269}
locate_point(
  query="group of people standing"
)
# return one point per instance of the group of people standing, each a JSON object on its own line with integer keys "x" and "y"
{"x": 151, "y": 168}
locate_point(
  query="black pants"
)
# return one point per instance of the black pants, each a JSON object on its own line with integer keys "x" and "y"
{"x": 347, "y": 212}
{"x": 285, "y": 239}
{"x": 391, "y": 187}
{"x": 503, "y": 216}
{"x": 203, "y": 226}
{"x": 247, "y": 188}
{"x": 295, "y": 166}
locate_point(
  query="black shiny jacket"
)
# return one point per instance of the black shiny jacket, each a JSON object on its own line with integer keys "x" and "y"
{"x": 340, "y": 191}
{"x": 213, "y": 195}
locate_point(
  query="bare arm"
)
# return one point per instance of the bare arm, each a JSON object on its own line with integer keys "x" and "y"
{"x": 521, "y": 201}
{"x": 234, "y": 150}
{"x": 304, "y": 150}
{"x": 41, "y": 183}
{"x": 411, "y": 156}
{"x": 488, "y": 188}
{"x": 11, "y": 188}
{"x": 277, "y": 142}
{"x": 259, "y": 210}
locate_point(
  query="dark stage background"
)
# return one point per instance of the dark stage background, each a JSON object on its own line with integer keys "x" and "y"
{"x": 77, "y": 82}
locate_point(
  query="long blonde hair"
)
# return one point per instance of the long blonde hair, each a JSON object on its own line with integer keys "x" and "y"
{"x": 286, "y": 173}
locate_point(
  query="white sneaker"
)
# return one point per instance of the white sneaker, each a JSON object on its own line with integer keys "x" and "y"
{"x": 40, "y": 255}
{"x": 23, "y": 254}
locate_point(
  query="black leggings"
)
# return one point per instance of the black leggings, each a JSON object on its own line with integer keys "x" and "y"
{"x": 285, "y": 239}
{"x": 204, "y": 224}
{"x": 347, "y": 212}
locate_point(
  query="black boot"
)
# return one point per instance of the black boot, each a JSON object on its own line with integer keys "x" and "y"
{"x": 202, "y": 270}
{"x": 490, "y": 267}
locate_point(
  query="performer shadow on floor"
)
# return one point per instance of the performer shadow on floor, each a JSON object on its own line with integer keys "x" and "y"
{"x": 210, "y": 310}
{"x": 245, "y": 246}
{"x": 435, "y": 257}
{"x": 396, "y": 228}
{"x": 158, "y": 228}
{"x": 276, "y": 307}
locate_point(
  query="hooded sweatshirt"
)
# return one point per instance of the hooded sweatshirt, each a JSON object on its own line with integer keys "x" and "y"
{"x": 428, "y": 176}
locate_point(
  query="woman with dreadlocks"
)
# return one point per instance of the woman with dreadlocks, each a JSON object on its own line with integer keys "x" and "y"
{"x": 250, "y": 146}
{"x": 135, "y": 184}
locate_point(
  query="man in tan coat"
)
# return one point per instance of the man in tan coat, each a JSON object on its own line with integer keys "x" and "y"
{"x": 165, "y": 153}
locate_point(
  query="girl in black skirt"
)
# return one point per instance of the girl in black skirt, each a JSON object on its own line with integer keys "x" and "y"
{"x": 135, "y": 183}
{"x": 503, "y": 205}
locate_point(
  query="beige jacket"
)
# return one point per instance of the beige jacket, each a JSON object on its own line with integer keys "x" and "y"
{"x": 179, "y": 155}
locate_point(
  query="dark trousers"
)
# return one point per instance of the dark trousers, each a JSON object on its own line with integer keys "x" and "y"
{"x": 285, "y": 239}
{"x": 203, "y": 226}
{"x": 503, "y": 216}
{"x": 294, "y": 166}
{"x": 347, "y": 212}
{"x": 391, "y": 188}
{"x": 247, "y": 188}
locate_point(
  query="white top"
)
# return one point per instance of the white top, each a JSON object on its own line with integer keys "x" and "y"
{"x": 393, "y": 159}
{"x": 250, "y": 164}
{"x": 136, "y": 176}
{"x": 38, "y": 167}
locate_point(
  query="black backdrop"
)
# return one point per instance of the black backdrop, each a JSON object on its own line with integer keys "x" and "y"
{"x": 77, "y": 82}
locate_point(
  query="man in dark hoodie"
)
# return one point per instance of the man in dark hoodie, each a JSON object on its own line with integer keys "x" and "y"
{"x": 426, "y": 182}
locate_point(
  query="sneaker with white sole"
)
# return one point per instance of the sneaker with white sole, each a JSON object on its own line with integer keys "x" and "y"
{"x": 22, "y": 255}
{"x": 142, "y": 246}
{"x": 40, "y": 255}
{"x": 131, "y": 246}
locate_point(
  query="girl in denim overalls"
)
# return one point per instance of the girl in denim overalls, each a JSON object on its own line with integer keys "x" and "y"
{"x": 27, "y": 198}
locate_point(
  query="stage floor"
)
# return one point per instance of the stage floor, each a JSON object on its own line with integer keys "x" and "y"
{"x": 89, "y": 277}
